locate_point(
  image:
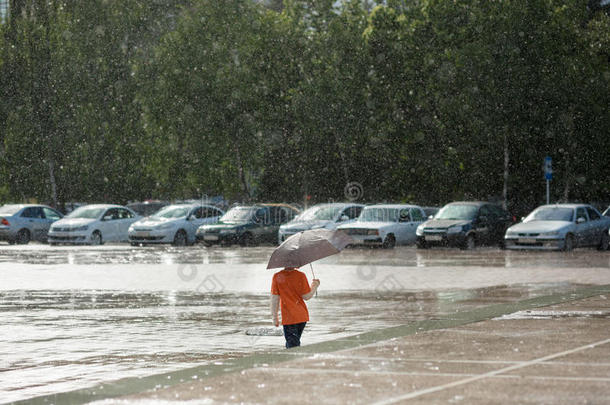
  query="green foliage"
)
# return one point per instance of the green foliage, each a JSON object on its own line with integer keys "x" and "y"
{"x": 426, "y": 100}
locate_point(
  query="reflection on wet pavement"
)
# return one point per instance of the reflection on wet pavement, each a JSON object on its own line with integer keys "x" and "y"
{"x": 401, "y": 256}
{"x": 58, "y": 339}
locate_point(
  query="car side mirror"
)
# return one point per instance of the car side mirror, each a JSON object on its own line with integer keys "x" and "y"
{"x": 580, "y": 220}
{"x": 343, "y": 218}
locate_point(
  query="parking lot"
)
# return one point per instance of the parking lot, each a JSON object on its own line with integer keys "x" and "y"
{"x": 77, "y": 317}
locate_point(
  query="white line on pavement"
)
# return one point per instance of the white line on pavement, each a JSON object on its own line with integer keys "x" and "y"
{"x": 430, "y": 390}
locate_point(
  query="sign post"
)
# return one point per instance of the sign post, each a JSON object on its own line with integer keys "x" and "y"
{"x": 548, "y": 175}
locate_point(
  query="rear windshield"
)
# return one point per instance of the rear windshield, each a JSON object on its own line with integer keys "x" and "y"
{"x": 9, "y": 209}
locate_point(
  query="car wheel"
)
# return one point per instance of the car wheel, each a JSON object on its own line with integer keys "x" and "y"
{"x": 604, "y": 242}
{"x": 246, "y": 240}
{"x": 389, "y": 242}
{"x": 568, "y": 244}
{"x": 179, "y": 238}
{"x": 207, "y": 244}
{"x": 96, "y": 238}
{"x": 23, "y": 237}
{"x": 421, "y": 244}
{"x": 470, "y": 242}
{"x": 135, "y": 244}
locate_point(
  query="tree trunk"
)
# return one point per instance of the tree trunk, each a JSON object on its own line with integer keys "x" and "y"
{"x": 506, "y": 163}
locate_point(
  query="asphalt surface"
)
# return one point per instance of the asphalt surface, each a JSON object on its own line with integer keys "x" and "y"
{"x": 552, "y": 349}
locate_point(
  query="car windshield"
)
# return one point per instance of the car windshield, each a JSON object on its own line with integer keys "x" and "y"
{"x": 551, "y": 214}
{"x": 457, "y": 212}
{"x": 320, "y": 213}
{"x": 172, "y": 212}
{"x": 9, "y": 209}
{"x": 239, "y": 214}
{"x": 86, "y": 212}
{"x": 379, "y": 215}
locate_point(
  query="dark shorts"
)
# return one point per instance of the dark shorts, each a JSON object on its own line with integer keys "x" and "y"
{"x": 292, "y": 333}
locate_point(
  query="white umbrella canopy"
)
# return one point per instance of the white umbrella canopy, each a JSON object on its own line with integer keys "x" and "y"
{"x": 308, "y": 246}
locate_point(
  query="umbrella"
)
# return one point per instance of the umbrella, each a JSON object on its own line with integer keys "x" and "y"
{"x": 308, "y": 246}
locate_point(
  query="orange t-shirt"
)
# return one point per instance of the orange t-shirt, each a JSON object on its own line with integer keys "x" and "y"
{"x": 290, "y": 285}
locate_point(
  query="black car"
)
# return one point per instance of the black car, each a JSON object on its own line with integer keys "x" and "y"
{"x": 247, "y": 225}
{"x": 466, "y": 225}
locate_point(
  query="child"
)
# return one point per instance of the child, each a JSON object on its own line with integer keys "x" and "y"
{"x": 290, "y": 288}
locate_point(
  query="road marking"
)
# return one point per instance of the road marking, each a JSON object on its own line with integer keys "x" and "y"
{"x": 423, "y": 373}
{"x": 438, "y": 388}
{"x": 332, "y": 356}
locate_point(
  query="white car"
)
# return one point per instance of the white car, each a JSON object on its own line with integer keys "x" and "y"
{"x": 93, "y": 225}
{"x": 327, "y": 216}
{"x": 176, "y": 224}
{"x": 560, "y": 227}
{"x": 386, "y": 225}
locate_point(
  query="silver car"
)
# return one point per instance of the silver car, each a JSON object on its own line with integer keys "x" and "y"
{"x": 328, "y": 216}
{"x": 560, "y": 227}
{"x": 176, "y": 224}
{"x": 20, "y": 223}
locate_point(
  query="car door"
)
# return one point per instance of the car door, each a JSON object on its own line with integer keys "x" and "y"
{"x": 195, "y": 219}
{"x": 581, "y": 227}
{"x": 262, "y": 224}
{"x": 595, "y": 227}
{"x": 50, "y": 217}
{"x": 109, "y": 225}
{"x": 126, "y": 218}
{"x": 482, "y": 225}
{"x": 35, "y": 222}
{"x": 405, "y": 230}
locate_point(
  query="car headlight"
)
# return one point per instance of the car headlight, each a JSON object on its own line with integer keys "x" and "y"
{"x": 454, "y": 229}
{"x": 510, "y": 234}
{"x": 81, "y": 228}
{"x": 165, "y": 226}
{"x": 420, "y": 230}
{"x": 227, "y": 231}
{"x": 373, "y": 232}
{"x": 550, "y": 233}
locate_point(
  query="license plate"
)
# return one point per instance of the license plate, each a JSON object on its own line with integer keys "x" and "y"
{"x": 210, "y": 237}
{"x": 527, "y": 241}
{"x": 434, "y": 237}
{"x": 143, "y": 234}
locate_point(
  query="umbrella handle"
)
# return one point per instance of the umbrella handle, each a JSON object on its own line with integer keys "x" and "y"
{"x": 314, "y": 275}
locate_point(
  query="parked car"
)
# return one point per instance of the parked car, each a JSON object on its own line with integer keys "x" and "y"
{"x": 176, "y": 224}
{"x": 328, "y": 216}
{"x": 147, "y": 208}
{"x": 560, "y": 227}
{"x": 385, "y": 225}
{"x": 247, "y": 225}
{"x": 21, "y": 223}
{"x": 93, "y": 224}
{"x": 466, "y": 225}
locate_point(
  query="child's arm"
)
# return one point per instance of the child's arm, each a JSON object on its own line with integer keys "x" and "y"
{"x": 275, "y": 304}
{"x": 315, "y": 283}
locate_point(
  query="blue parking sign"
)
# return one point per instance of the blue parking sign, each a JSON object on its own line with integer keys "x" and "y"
{"x": 548, "y": 168}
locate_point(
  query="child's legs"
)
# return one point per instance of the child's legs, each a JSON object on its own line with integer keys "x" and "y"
{"x": 293, "y": 333}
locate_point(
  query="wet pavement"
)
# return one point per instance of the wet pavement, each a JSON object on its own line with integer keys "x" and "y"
{"x": 78, "y": 317}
